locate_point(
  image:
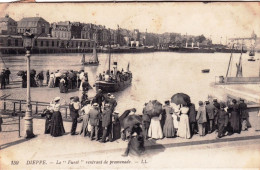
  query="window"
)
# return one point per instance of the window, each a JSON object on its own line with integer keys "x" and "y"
{"x": 88, "y": 44}
{"x": 16, "y": 42}
{"x": 52, "y": 43}
{"x": 35, "y": 43}
{"x": 57, "y": 43}
{"x": 9, "y": 42}
{"x": 76, "y": 44}
{"x": 43, "y": 29}
{"x": 47, "y": 43}
{"x": 41, "y": 43}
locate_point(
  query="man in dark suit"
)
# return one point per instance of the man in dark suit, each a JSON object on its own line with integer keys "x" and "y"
{"x": 217, "y": 105}
{"x": 99, "y": 98}
{"x": 107, "y": 123}
{"x": 94, "y": 116}
{"x": 112, "y": 102}
{"x": 222, "y": 119}
{"x": 74, "y": 114}
{"x": 7, "y": 75}
{"x": 244, "y": 115}
{"x": 210, "y": 111}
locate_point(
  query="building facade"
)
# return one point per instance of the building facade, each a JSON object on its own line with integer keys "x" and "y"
{"x": 37, "y": 25}
{"x": 66, "y": 30}
{"x": 8, "y": 26}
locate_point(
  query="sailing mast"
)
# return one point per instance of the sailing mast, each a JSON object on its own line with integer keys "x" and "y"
{"x": 109, "y": 51}
{"x": 95, "y": 53}
{"x": 239, "y": 65}
{"x": 230, "y": 59}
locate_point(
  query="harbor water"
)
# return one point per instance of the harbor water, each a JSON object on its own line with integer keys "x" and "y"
{"x": 156, "y": 75}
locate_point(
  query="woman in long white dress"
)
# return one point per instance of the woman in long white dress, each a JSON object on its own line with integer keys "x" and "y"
{"x": 155, "y": 129}
{"x": 184, "y": 127}
{"x": 175, "y": 115}
{"x": 52, "y": 81}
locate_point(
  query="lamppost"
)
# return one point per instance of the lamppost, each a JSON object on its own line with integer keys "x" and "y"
{"x": 28, "y": 44}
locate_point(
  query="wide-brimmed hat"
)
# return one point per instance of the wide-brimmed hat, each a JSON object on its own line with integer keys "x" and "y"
{"x": 107, "y": 105}
{"x": 112, "y": 96}
{"x": 95, "y": 105}
{"x": 56, "y": 99}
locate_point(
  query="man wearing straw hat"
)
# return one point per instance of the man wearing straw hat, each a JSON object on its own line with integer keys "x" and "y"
{"x": 94, "y": 116}
{"x": 107, "y": 123}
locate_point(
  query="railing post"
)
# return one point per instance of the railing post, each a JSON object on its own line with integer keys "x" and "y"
{"x": 20, "y": 106}
{"x": 19, "y": 124}
{"x": 66, "y": 113}
{"x": 4, "y": 105}
{"x": 13, "y": 110}
{"x": 36, "y": 109}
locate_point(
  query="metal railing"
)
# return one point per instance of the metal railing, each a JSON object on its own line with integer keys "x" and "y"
{"x": 16, "y": 106}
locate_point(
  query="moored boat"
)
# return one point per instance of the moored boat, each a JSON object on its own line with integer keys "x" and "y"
{"x": 93, "y": 61}
{"x": 191, "y": 50}
{"x": 114, "y": 80}
{"x": 205, "y": 70}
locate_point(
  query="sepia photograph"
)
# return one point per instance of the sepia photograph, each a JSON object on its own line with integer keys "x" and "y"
{"x": 130, "y": 85}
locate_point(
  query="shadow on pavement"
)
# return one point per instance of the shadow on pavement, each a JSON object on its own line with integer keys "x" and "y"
{"x": 4, "y": 146}
{"x": 152, "y": 148}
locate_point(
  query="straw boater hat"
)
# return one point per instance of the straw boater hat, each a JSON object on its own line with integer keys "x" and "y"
{"x": 107, "y": 105}
{"x": 116, "y": 112}
{"x": 56, "y": 99}
{"x": 95, "y": 105}
{"x": 112, "y": 96}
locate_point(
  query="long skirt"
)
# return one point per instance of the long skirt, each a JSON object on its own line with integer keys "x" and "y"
{"x": 155, "y": 129}
{"x": 168, "y": 129}
{"x": 175, "y": 121}
{"x": 63, "y": 88}
{"x": 57, "y": 128}
{"x": 184, "y": 128}
{"x": 235, "y": 121}
{"x": 51, "y": 83}
{"x": 257, "y": 127}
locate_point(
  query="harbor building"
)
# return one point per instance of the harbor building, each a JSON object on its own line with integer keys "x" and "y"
{"x": 37, "y": 25}
{"x": 8, "y": 26}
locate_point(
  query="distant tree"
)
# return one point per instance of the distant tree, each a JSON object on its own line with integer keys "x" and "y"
{"x": 201, "y": 38}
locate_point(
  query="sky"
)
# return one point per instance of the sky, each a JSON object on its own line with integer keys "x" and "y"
{"x": 226, "y": 19}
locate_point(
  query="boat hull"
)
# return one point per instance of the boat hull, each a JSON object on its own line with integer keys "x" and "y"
{"x": 107, "y": 87}
{"x": 191, "y": 50}
{"x": 225, "y": 50}
{"x": 90, "y": 64}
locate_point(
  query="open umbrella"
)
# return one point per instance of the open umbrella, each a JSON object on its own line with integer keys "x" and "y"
{"x": 180, "y": 98}
{"x": 153, "y": 108}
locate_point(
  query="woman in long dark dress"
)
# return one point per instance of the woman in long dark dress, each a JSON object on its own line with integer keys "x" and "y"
{"x": 234, "y": 117}
{"x": 57, "y": 128}
{"x": 48, "y": 114}
{"x": 168, "y": 128}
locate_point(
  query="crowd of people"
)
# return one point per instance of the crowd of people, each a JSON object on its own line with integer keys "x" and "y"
{"x": 186, "y": 121}
{"x": 4, "y": 77}
{"x": 64, "y": 80}
{"x": 101, "y": 121}
{"x": 118, "y": 76}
